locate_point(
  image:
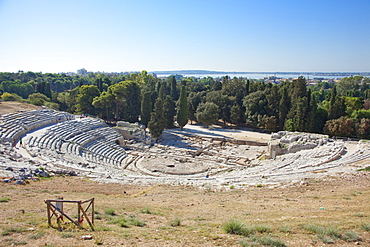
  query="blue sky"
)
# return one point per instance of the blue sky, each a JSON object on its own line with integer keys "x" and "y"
{"x": 223, "y": 35}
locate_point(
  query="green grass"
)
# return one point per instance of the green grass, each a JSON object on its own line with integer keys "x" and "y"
{"x": 255, "y": 241}
{"x": 18, "y": 243}
{"x": 4, "y": 199}
{"x": 136, "y": 222}
{"x": 120, "y": 221}
{"x": 110, "y": 211}
{"x": 284, "y": 229}
{"x": 97, "y": 215}
{"x": 328, "y": 235}
{"x": 126, "y": 222}
{"x": 66, "y": 235}
{"x": 175, "y": 222}
{"x": 103, "y": 228}
{"x": 366, "y": 169}
{"x": 37, "y": 235}
{"x": 326, "y": 239}
{"x": 246, "y": 243}
{"x": 360, "y": 215}
{"x": 267, "y": 241}
{"x": 366, "y": 227}
{"x": 146, "y": 210}
{"x": 350, "y": 236}
{"x": 261, "y": 228}
{"x": 234, "y": 226}
{"x": 10, "y": 230}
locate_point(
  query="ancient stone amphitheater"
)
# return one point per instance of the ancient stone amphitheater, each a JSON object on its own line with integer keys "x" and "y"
{"x": 57, "y": 141}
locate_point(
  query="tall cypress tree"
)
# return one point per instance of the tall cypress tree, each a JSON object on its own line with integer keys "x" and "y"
{"x": 173, "y": 90}
{"x": 247, "y": 85}
{"x": 311, "y": 114}
{"x": 48, "y": 90}
{"x": 284, "y": 107}
{"x": 146, "y": 108}
{"x": 337, "y": 107}
{"x": 157, "y": 121}
{"x": 169, "y": 111}
{"x": 182, "y": 108}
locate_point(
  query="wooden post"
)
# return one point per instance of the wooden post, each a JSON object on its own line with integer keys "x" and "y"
{"x": 93, "y": 210}
{"x": 54, "y": 210}
{"x": 49, "y": 217}
{"x": 86, "y": 217}
{"x": 79, "y": 213}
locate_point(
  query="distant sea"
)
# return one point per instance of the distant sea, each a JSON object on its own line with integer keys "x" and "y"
{"x": 258, "y": 75}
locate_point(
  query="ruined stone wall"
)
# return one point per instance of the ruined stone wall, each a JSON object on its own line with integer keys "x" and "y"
{"x": 284, "y": 142}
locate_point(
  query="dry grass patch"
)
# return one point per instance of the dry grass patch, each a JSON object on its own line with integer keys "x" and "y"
{"x": 186, "y": 216}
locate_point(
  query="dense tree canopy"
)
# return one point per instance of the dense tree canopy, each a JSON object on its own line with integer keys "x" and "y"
{"x": 336, "y": 108}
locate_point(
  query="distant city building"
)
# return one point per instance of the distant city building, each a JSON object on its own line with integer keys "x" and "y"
{"x": 82, "y": 72}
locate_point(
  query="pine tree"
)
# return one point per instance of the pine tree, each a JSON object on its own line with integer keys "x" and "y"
{"x": 217, "y": 86}
{"x": 207, "y": 113}
{"x": 132, "y": 106}
{"x": 182, "y": 108}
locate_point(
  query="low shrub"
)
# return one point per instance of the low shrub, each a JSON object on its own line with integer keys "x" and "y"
{"x": 366, "y": 227}
{"x": 350, "y": 237}
{"x": 37, "y": 235}
{"x": 175, "y": 222}
{"x": 110, "y": 211}
{"x": 4, "y": 199}
{"x": 10, "y": 230}
{"x": 146, "y": 210}
{"x": 127, "y": 222}
{"x": 234, "y": 226}
{"x": 66, "y": 235}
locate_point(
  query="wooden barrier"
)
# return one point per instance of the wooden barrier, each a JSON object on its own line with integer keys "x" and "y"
{"x": 55, "y": 209}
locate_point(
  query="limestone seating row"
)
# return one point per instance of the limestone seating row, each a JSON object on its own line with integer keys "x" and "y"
{"x": 356, "y": 156}
{"x": 45, "y": 142}
{"x": 111, "y": 153}
{"x": 67, "y": 130}
{"x": 14, "y": 125}
{"x": 304, "y": 160}
{"x": 89, "y": 138}
{"x": 116, "y": 160}
{"x": 30, "y": 118}
{"x": 80, "y": 133}
{"x": 9, "y": 130}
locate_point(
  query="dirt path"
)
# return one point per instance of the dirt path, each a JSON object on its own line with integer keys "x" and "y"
{"x": 235, "y": 133}
{"x": 12, "y": 106}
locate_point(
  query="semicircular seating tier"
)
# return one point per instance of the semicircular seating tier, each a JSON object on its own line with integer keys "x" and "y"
{"x": 15, "y": 125}
{"x": 91, "y": 139}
